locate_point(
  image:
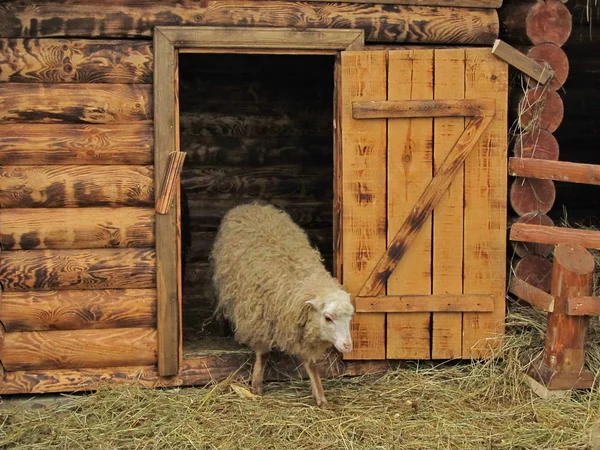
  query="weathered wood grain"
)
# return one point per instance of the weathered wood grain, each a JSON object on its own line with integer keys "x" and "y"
{"x": 538, "y": 143}
{"x": 529, "y": 195}
{"x": 409, "y": 171}
{"x": 412, "y": 304}
{"x": 54, "y": 186}
{"x": 555, "y": 170}
{"x": 446, "y": 330}
{"x": 76, "y": 144}
{"x": 171, "y": 183}
{"x": 556, "y": 58}
{"x": 536, "y": 70}
{"x": 554, "y": 235}
{"x": 523, "y": 249}
{"x": 30, "y": 350}
{"x": 456, "y": 3}
{"x": 75, "y": 61}
{"x": 386, "y": 23}
{"x": 531, "y": 294}
{"x": 534, "y": 270}
{"x": 76, "y": 228}
{"x": 485, "y": 207}
{"x": 78, "y": 310}
{"x": 24, "y": 270}
{"x": 413, "y": 108}
{"x": 583, "y": 306}
{"x": 364, "y": 154}
{"x": 267, "y": 182}
{"x": 564, "y": 349}
{"x": 75, "y": 103}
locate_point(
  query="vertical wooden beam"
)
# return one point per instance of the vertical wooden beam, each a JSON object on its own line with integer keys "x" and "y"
{"x": 363, "y": 77}
{"x": 485, "y": 206}
{"x": 449, "y": 84}
{"x": 410, "y": 167}
{"x": 166, "y": 134}
{"x": 562, "y": 366}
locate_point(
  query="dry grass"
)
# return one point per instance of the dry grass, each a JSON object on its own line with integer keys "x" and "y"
{"x": 463, "y": 406}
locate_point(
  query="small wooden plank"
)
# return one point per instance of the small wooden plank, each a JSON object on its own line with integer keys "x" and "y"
{"x": 446, "y": 332}
{"x": 25, "y": 270}
{"x": 381, "y": 23}
{"x": 485, "y": 207}
{"x": 166, "y": 126}
{"x": 424, "y": 206}
{"x": 583, "y": 306}
{"x": 73, "y": 228}
{"x": 554, "y": 170}
{"x": 397, "y": 109}
{"x": 522, "y": 62}
{"x": 55, "y": 186}
{"x": 531, "y": 294}
{"x": 446, "y": 303}
{"x": 78, "y": 310}
{"x": 410, "y": 167}
{"x": 171, "y": 182}
{"x": 542, "y": 234}
{"x": 76, "y": 144}
{"x": 75, "y": 103}
{"x": 30, "y": 350}
{"x": 363, "y": 77}
{"x": 75, "y": 61}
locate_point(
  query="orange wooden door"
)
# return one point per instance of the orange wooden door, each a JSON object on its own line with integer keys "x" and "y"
{"x": 421, "y": 197}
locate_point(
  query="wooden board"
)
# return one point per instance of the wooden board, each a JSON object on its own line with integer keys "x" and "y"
{"x": 78, "y": 310}
{"x": 75, "y": 103}
{"x": 449, "y": 83}
{"x": 75, "y": 61}
{"x": 485, "y": 206}
{"x": 30, "y": 350}
{"x": 384, "y": 23}
{"x": 53, "y": 186}
{"x": 24, "y": 270}
{"x": 363, "y": 77}
{"x": 72, "y": 228}
{"x": 410, "y": 167}
{"x": 76, "y": 144}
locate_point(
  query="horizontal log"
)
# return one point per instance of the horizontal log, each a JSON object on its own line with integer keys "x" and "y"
{"x": 267, "y": 183}
{"x": 425, "y": 303}
{"x": 455, "y": 3}
{"x": 539, "y": 72}
{"x": 240, "y": 151}
{"x": 535, "y": 22}
{"x": 528, "y": 195}
{"x": 75, "y": 103}
{"x": 76, "y": 144}
{"x": 75, "y": 186}
{"x": 76, "y": 228}
{"x": 523, "y": 249}
{"x": 555, "y": 170}
{"x": 78, "y": 310}
{"x": 554, "y": 235}
{"x": 534, "y": 270}
{"x": 30, "y": 350}
{"x": 556, "y": 58}
{"x": 422, "y": 108}
{"x": 385, "y": 23}
{"x": 540, "y": 108}
{"x": 24, "y": 270}
{"x": 583, "y": 306}
{"x": 531, "y": 294}
{"x": 539, "y": 144}
{"x": 75, "y": 60}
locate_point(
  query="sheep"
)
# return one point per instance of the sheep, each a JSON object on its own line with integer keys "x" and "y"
{"x": 273, "y": 288}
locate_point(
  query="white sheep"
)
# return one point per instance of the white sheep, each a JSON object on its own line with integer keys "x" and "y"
{"x": 274, "y": 289}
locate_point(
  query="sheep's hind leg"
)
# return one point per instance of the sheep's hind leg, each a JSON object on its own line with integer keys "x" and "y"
{"x": 258, "y": 371}
{"x": 315, "y": 383}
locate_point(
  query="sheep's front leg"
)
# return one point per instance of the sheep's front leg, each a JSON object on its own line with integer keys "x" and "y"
{"x": 315, "y": 383}
{"x": 258, "y": 371}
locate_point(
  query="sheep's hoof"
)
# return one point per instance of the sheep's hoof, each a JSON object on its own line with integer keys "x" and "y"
{"x": 321, "y": 402}
{"x": 258, "y": 390}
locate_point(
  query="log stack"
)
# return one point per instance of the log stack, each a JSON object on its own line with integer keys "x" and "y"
{"x": 539, "y": 29}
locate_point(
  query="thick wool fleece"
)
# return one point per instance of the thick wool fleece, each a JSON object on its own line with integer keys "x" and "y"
{"x": 264, "y": 270}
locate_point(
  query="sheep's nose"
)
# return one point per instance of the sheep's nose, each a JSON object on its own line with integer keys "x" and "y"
{"x": 348, "y": 346}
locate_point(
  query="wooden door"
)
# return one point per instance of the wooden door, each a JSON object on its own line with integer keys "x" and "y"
{"x": 421, "y": 198}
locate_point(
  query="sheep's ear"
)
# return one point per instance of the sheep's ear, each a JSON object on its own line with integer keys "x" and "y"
{"x": 312, "y": 303}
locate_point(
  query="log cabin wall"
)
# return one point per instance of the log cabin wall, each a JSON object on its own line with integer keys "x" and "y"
{"x": 77, "y": 261}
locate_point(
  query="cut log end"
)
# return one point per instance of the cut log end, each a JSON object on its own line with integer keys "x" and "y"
{"x": 531, "y": 195}
{"x": 549, "y": 21}
{"x": 539, "y": 144}
{"x": 536, "y": 271}
{"x": 574, "y": 258}
{"x": 556, "y": 58}
{"x": 540, "y": 108}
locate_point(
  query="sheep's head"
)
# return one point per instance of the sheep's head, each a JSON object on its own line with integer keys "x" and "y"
{"x": 335, "y": 313}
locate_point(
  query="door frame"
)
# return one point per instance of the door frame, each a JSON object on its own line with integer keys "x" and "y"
{"x": 168, "y": 43}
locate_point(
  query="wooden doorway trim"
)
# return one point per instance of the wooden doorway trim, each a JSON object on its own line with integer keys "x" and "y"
{"x": 168, "y": 43}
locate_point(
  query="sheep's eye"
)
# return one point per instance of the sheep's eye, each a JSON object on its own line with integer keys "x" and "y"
{"x": 328, "y": 319}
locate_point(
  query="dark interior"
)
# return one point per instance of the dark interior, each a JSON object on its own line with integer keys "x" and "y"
{"x": 253, "y": 127}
